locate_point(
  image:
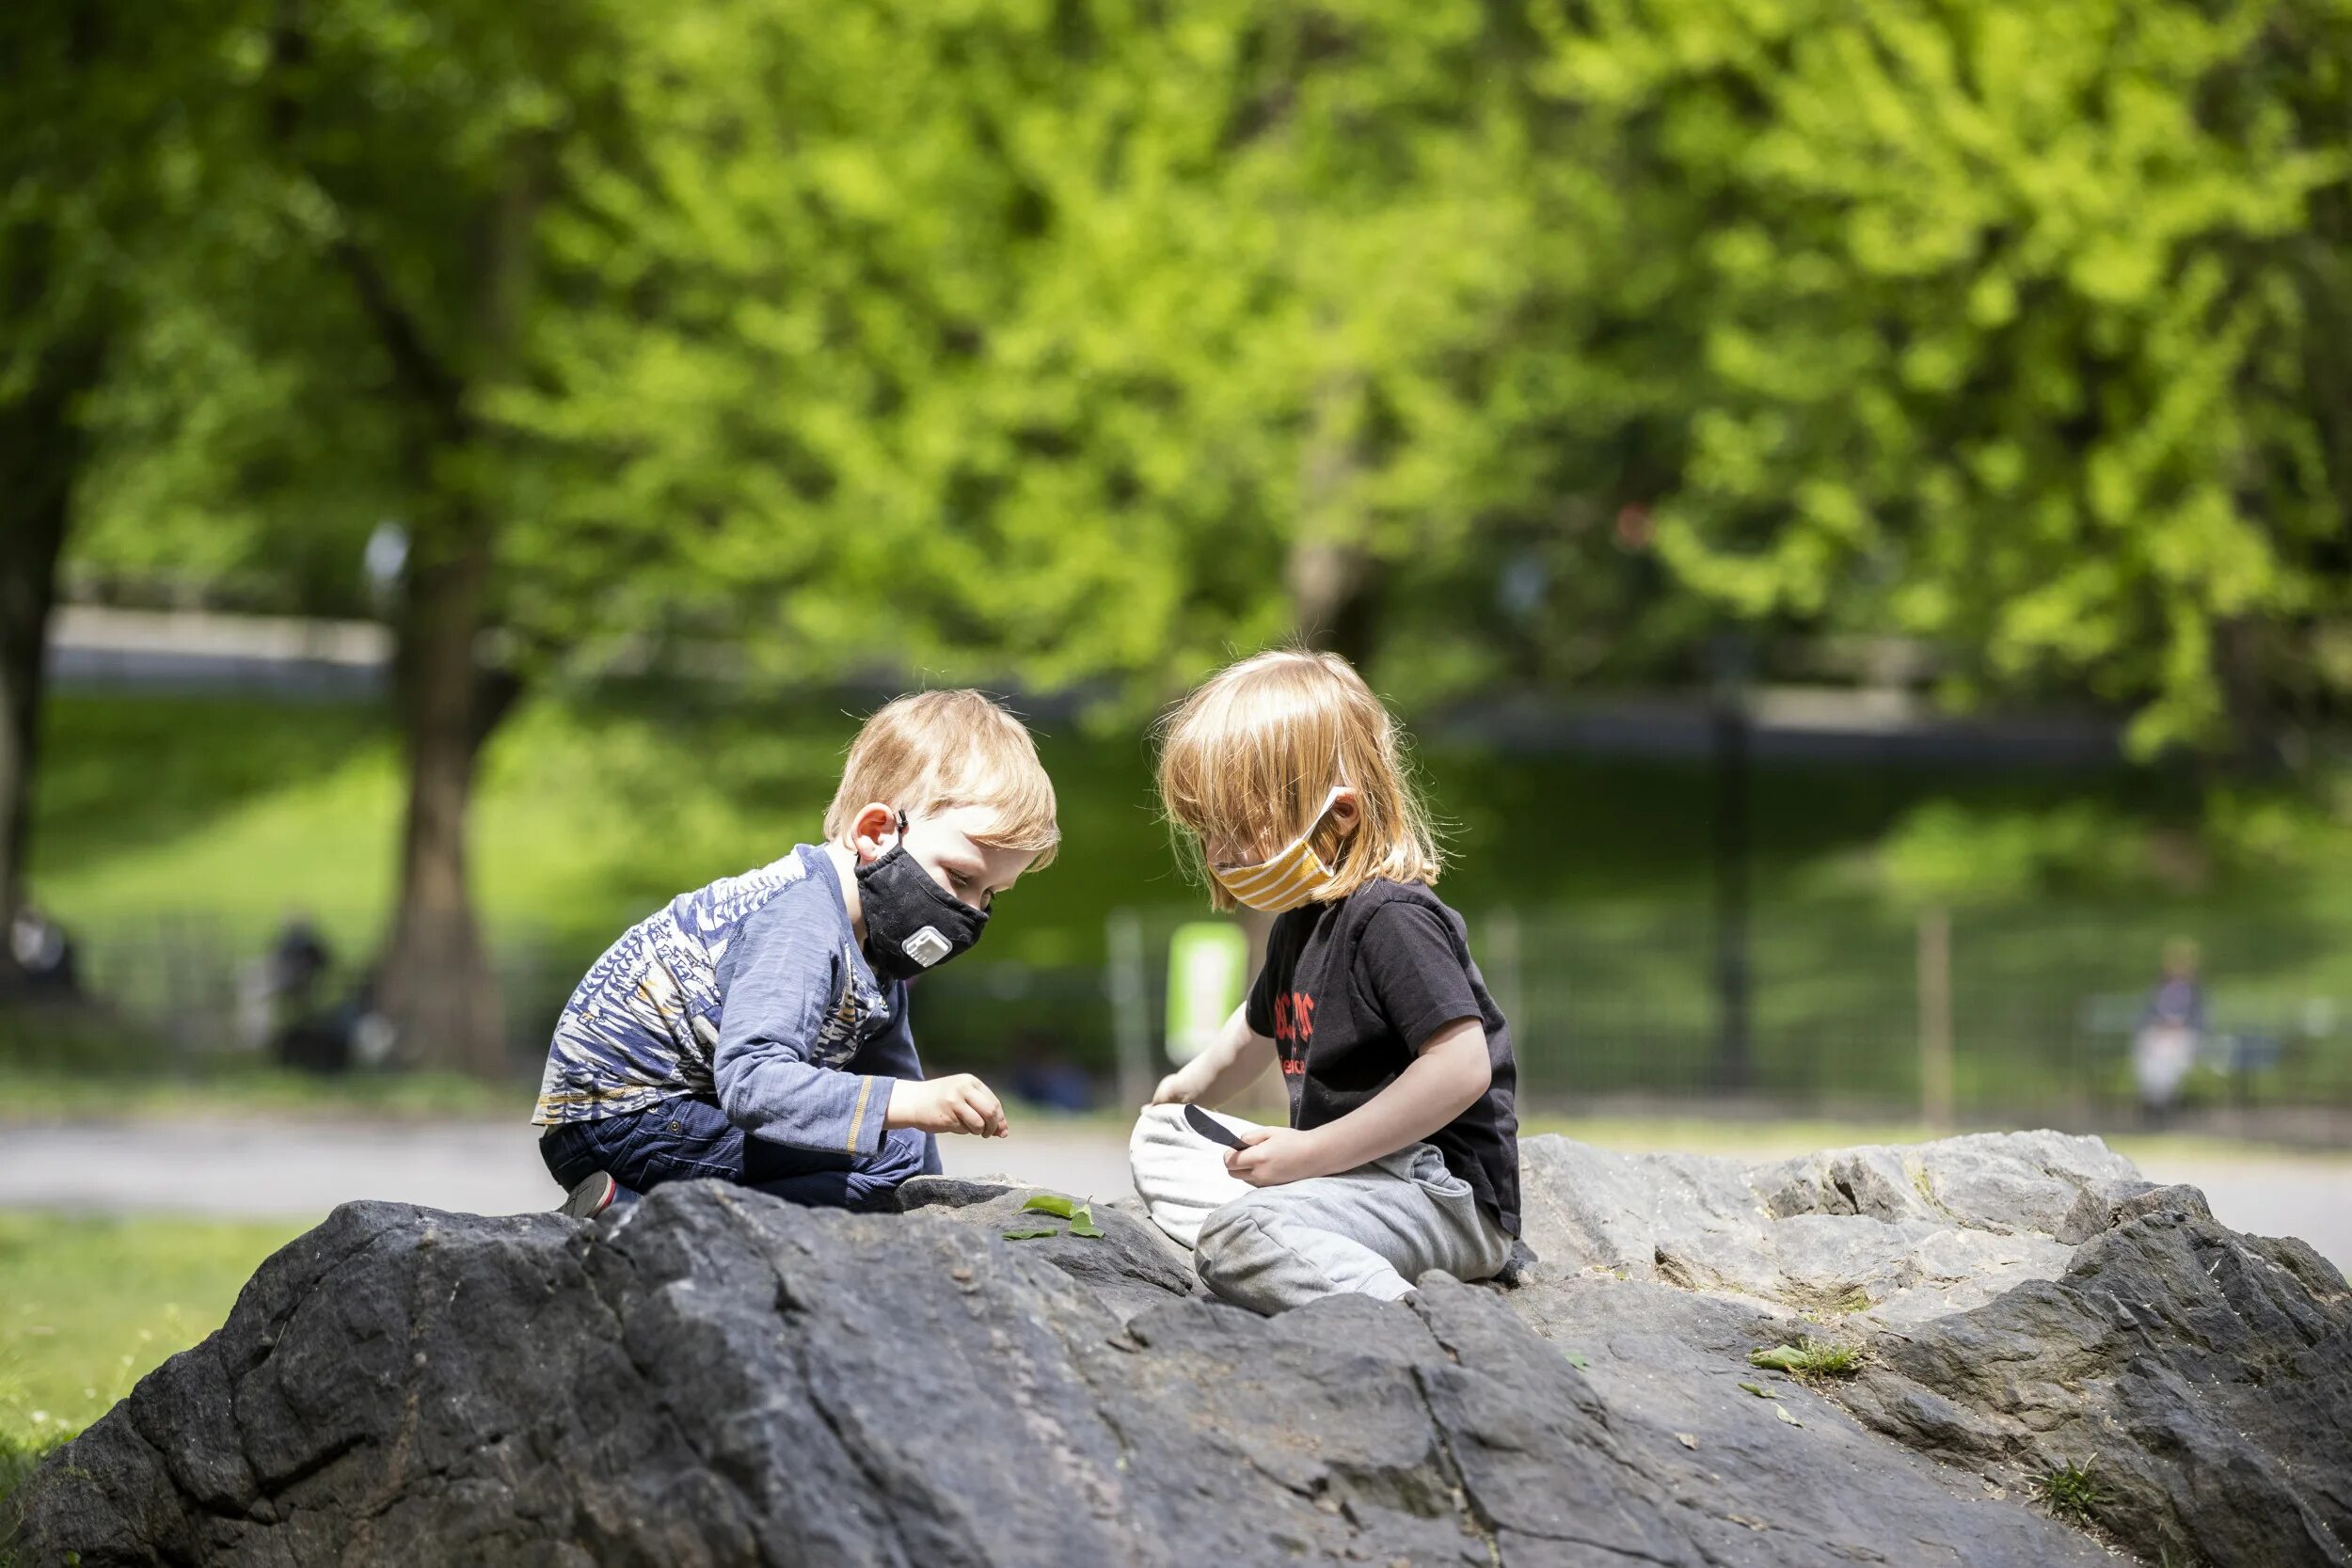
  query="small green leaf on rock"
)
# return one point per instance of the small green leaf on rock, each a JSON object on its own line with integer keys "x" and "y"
{"x": 1051, "y": 1203}
{"x": 1759, "y": 1390}
{"x": 1032, "y": 1234}
{"x": 1782, "y": 1411}
{"x": 1578, "y": 1362}
{"x": 1084, "y": 1226}
{"x": 1780, "y": 1358}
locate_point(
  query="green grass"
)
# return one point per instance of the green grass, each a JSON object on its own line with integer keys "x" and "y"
{"x": 89, "y": 1306}
{"x": 586, "y": 816}
{"x": 591, "y": 811}
{"x": 51, "y": 1095}
{"x": 204, "y": 820}
{"x": 1810, "y": 1357}
{"x": 2070, "y": 1491}
{"x": 18, "y": 1460}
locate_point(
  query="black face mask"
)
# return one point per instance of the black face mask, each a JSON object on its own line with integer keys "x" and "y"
{"x": 912, "y": 923}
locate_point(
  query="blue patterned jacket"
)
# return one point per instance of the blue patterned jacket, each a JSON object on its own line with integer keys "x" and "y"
{"x": 749, "y": 992}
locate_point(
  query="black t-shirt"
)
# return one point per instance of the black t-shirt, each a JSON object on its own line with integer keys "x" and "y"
{"x": 1350, "y": 992}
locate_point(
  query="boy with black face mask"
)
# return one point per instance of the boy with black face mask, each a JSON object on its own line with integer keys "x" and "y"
{"x": 755, "y": 1031}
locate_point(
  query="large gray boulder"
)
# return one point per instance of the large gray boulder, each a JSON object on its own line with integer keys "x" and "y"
{"x": 713, "y": 1377}
{"x": 1888, "y": 1234}
{"x": 2204, "y": 1378}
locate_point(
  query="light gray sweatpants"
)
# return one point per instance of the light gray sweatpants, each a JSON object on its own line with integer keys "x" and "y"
{"x": 1371, "y": 1231}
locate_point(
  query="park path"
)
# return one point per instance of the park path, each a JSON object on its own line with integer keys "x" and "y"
{"x": 274, "y": 1169}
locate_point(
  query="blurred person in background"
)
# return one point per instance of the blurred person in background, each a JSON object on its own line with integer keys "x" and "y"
{"x": 298, "y": 960}
{"x": 302, "y": 1033}
{"x": 1044, "y": 1075}
{"x": 47, "y": 963}
{"x": 2170, "y": 1028}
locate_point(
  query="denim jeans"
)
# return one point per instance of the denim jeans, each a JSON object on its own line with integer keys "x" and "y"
{"x": 691, "y": 1140}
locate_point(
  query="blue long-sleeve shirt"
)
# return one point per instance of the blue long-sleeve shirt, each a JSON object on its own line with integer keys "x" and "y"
{"x": 750, "y": 992}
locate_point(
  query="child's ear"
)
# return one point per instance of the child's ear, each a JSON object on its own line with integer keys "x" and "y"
{"x": 872, "y": 830}
{"x": 1347, "y": 811}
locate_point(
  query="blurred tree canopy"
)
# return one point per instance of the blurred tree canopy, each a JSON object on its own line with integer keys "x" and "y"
{"x": 344, "y": 280}
{"x": 2014, "y": 328}
{"x": 1082, "y": 342}
{"x": 85, "y": 211}
{"x": 1071, "y": 340}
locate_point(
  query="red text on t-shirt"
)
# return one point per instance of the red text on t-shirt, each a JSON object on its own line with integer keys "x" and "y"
{"x": 1293, "y": 1027}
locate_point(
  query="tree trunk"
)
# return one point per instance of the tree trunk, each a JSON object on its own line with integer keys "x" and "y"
{"x": 437, "y": 983}
{"x": 1334, "y": 581}
{"x": 2248, "y": 697}
{"x": 41, "y": 446}
{"x": 1335, "y": 598}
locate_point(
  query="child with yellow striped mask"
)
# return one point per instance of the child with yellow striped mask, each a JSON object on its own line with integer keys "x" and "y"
{"x": 1283, "y": 775}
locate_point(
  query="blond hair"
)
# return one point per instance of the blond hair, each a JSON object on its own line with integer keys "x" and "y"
{"x": 1250, "y": 757}
{"x": 939, "y": 750}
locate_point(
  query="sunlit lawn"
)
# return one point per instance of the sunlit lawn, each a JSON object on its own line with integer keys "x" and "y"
{"x": 88, "y": 1305}
{"x": 175, "y": 835}
{"x": 228, "y": 811}
{"x": 34, "y": 1095}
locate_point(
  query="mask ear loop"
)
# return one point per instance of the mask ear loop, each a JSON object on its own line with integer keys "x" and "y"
{"x": 1322, "y": 822}
{"x": 1308, "y": 838}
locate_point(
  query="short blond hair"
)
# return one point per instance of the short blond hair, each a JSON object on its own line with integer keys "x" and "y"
{"x": 1250, "y": 757}
{"x": 938, "y": 750}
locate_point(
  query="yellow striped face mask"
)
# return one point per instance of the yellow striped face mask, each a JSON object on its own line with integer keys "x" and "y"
{"x": 1286, "y": 878}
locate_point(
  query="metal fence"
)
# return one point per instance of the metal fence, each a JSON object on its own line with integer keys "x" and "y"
{"x": 1850, "y": 1006}
{"x": 1980, "y": 1015}
{"x": 194, "y": 988}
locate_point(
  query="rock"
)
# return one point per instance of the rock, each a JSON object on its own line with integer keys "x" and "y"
{"x": 1131, "y": 1266}
{"x": 2204, "y": 1378}
{"x": 1903, "y": 1234}
{"x": 715, "y": 1377}
{"x": 2104, "y": 1207}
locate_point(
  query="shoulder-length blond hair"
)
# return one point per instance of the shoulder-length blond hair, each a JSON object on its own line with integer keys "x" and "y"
{"x": 1249, "y": 757}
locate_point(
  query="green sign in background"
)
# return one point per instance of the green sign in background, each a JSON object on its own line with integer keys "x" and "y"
{"x": 1208, "y": 963}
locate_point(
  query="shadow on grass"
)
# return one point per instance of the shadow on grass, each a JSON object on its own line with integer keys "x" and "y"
{"x": 120, "y": 772}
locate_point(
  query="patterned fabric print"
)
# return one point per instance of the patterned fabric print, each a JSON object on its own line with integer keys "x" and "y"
{"x": 642, "y": 1024}
{"x": 858, "y": 1012}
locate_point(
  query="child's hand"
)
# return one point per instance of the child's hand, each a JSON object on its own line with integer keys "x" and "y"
{"x": 1275, "y": 1156}
{"x": 1173, "y": 1091}
{"x": 956, "y": 1103}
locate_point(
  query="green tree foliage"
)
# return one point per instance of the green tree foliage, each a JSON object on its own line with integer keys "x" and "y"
{"x": 1087, "y": 341}
{"x": 84, "y": 205}
{"x": 352, "y": 288}
{"x": 417, "y": 143}
{"x": 1069, "y": 338}
{"x": 2010, "y": 319}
